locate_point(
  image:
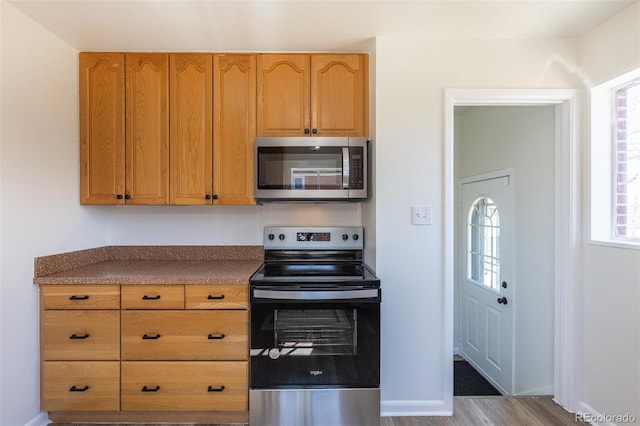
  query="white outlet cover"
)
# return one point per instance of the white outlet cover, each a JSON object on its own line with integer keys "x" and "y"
{"x": 421, "y": 215}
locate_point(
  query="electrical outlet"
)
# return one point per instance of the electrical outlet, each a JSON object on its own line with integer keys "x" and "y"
{"x": 421, "y": 215}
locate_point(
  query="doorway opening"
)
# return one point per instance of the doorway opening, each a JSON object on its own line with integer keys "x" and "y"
{"x": 564, "y": 194}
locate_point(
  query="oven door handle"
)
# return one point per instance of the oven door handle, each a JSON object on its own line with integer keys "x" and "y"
{"x": 316, "y": 294}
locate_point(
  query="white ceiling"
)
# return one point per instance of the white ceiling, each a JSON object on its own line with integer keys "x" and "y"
{"x": 304, "y": 25}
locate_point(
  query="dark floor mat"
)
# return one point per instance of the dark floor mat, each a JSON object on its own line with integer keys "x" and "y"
{"x": 468, "y": 382}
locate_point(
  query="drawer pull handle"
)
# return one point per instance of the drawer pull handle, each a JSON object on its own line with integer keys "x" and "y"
{"x": 74, "y": 336}
{"x": 212, "y": 389}
{"x": 147, "y": 337}
{"x": 156, "y": 297}
{"x": 146, "y": 389}
{"x": 74, "y": 297}
{"x": 211, "y": 297}
{"x": 76, "y": 389}
{"x": 215, "y": 336}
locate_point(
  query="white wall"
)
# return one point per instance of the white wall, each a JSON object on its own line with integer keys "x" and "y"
{"x": 39, "y": 176}
{"x": 411, "y": 77}
{"x": 491, "y": 138}
{"x": 611, "y": 276}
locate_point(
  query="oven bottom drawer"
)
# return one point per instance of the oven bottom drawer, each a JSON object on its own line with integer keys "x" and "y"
{"x": 314, "y": 407}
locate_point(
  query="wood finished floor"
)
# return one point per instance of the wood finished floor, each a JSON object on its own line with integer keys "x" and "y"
{"x": 482, "y": 411}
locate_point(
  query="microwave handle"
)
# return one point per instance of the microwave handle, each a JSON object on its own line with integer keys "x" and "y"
{"x": 345, "y": 167}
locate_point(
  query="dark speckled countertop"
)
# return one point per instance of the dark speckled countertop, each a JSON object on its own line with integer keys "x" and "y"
{"x": 150, "y": 265}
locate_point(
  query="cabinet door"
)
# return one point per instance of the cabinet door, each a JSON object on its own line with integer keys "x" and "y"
{"x": 283, "y": 95}
{"x": 234, "y": 108}
{"x": 339, "y": 104}
{"x": 191, "y": 138}
{"x": 147, "y": 128}
{"x": 101, "y": 128}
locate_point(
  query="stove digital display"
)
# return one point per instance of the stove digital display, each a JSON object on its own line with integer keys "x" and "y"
{"x": 313, "y": 236}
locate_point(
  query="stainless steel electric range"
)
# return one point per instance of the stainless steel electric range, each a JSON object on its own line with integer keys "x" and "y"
{"x": 315, "y": 330}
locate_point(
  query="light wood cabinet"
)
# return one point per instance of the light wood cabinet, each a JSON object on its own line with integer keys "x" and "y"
{"x": 147, "y": 128}
{"x": 102, "y": 128}
{"x": 312, "y": 95}
{"x": 191, "y": 140}
{"x": 119, "y": 350}
{"x": 234, "y": 118}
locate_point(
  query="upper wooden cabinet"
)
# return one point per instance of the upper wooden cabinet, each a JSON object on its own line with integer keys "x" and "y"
{"x": 234, "y": 112}
{"x": 147, "y": 128}
{"x": 315, "y": 95}
{"x": 101, "y": 128}
{"x": 191, "y": 141}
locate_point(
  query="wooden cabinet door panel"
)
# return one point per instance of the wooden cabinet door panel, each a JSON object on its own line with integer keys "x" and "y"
{"x": 191, "y": 137}
{"x": 184, "y": 335}
{"x": 283, "y": 95}
{"x": 232, "y": 296}
{"x": 81, "y": 335}
{"x": 102, "y": 128}
{"x": 188, "y": 386}
{"x": 152, "y": 297}
{"x": 234, "y": 109}
{"x": 338, "y": 100}
{"x": 147, "y": 128}
{"x": 80, "y": 296}
{"x": 80, "y": 386}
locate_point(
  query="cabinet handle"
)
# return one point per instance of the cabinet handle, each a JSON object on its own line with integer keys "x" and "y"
{"x": 74, "y": 297}
{"x": 207, "y": 197}
{"x": 127, "y": 197}
{"x": 147, "y": 337}
{"x": 215, "y": 196}
{"x": 77, "y": 389}
{"x": 215, "y": 336}
{"x": 119, "y": 196}
{"x": 75, "y": 336}
{"x": 156, "y": 297}
{"x": 211, "y": 297}
{"x": 314, "y": 131}
{"x": 146, "y": 389}
{"x": 212, "y": 389}
{"x": 306, "y": 131}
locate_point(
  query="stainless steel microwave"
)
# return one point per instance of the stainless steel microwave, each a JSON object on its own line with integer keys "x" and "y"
{"x": 310, "y": 168}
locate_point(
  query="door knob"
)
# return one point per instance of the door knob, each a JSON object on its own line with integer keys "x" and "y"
{"x": 502, "y": 300}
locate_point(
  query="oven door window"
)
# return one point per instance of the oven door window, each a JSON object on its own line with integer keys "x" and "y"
{"x": 303, "y": 168}
{"x": 310, "y": 332}
{"x": 315, "y": 344}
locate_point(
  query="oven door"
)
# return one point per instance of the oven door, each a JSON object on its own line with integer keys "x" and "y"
{"x": 315, "y": 338}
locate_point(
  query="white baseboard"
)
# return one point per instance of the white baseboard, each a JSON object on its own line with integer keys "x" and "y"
{"x": 414, "y": 408}
{"x": 548, "y": 390}
{"x": 41, "y": 419}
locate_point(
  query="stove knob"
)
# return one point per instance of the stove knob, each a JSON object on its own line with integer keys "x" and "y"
{"x": 355, "y": 237}
{"x": 345, "y": 237}
{"x": 271, "y": 237}
{"x": 281, "y": 236}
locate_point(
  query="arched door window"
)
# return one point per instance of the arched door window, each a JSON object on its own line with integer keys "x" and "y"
{"x": 483, "y": 253}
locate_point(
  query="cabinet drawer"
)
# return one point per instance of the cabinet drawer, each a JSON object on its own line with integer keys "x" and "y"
{"x": 215, "y": 296}
{"x": 184, "y": 335}
{"x": 80, "y": 386}
{"x": 80, "y": 296}
{"x": 81, "y": 335}
{"x": 192, "y": 386}
{"x": 153, "y": 297}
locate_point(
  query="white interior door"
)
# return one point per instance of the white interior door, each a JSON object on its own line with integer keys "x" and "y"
{"x": 487, "y": 277}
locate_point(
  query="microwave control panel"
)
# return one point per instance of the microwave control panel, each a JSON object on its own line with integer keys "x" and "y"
{"x": 356, "y": 166}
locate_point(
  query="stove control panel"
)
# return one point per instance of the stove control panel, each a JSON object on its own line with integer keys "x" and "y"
{"x": 302, "y": 238}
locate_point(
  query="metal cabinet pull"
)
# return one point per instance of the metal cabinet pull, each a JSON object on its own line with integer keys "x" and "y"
{"x": 156, "y": 297}
{"x": 74, "y": 297}
{"x": 146, "y": 389}
{"x": 215, "y": 336}
{"x": 77, "y": 389}
{"x": 212, "y": 389}
{"x": 212, "y": 297}
{"x": 75, "y": 336}
{"x": 147, "y": 337}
